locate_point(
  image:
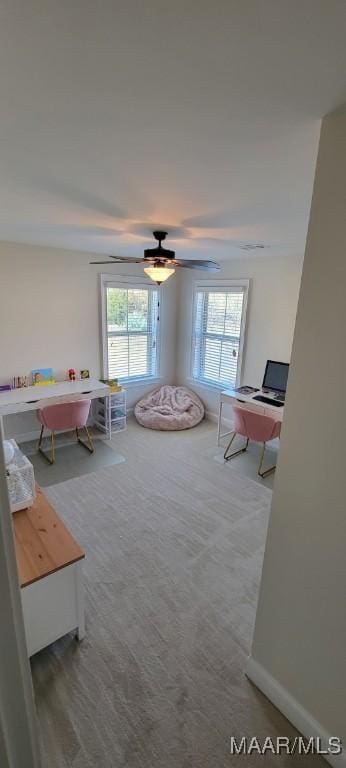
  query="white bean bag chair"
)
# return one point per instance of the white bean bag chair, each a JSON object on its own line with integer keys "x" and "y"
{"x": 170, "y": 408}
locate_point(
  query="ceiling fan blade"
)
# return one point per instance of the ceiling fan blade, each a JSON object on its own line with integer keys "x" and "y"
{"x": 119, "y": 260}
{"x": 128, "y": 259}
{"x": 208, "y": 266}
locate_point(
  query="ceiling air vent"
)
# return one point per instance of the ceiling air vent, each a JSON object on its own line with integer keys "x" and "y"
{"x": 252, "y": 246}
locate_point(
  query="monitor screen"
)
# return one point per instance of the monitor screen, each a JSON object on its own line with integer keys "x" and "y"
{"x": 275, "y": 376}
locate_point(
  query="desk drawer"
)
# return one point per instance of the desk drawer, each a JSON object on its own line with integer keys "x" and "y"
{"x": 256, "y": 408}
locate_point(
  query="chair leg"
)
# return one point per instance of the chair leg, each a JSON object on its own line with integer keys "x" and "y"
{"x": 227, "y": 456}
{"x": 88, "y": 445}
{"x": 41, "y": 436}
{"x": 264, "y": 473}
{"x": 51, "y": 458}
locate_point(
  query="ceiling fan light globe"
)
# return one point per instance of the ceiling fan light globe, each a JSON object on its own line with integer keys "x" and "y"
{"x": 158, "y": 273}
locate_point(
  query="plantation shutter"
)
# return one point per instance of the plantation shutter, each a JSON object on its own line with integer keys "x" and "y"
{"x": 217, "y": 335}
{"x": 132, "y": 323}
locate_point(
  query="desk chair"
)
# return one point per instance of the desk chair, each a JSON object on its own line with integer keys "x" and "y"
{"x": 64, "y": 417}
{"x": 253, "y": 426}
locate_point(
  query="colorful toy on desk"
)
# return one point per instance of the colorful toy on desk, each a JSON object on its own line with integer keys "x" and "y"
{"x": 113, "y": 384}
{"x": 72, "y": 374}
{"x": 42, "y": 376}
{"x": 20, "y": 381}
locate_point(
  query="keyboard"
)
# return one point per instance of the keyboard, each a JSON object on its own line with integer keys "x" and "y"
{"x": 268, "y": 400}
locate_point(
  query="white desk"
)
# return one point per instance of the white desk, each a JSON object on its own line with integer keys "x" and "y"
{"x": 33, "y": 398}
{"x": 231, "y": 397}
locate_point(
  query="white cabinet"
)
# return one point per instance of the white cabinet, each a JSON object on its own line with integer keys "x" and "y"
{"x": 50, "y": 564}
{"x": 53, "y": 606}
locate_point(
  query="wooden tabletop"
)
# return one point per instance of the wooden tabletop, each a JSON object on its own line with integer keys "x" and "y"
{"x": 43, "y": 543}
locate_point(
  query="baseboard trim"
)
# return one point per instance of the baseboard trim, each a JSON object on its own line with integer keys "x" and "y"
{"x": 215, "y": 417}
{"x": 25, "y": 437}
{"x": 211, "y": 416}
{"x": 290, "y": 707}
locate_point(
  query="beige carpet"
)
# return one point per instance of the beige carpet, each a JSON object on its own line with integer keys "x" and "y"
{"x": 174, "y": 543}
{"x": 72, "y": 460}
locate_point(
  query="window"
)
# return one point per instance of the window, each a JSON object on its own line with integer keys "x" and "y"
{"x": 130, "y": 331}
{"x": 218, "y": 333}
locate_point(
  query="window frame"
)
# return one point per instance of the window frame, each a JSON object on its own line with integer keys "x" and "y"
{"x": 221, "y": 286}
{"x": 125, "y": 281}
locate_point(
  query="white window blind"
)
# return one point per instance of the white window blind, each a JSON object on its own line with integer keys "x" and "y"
{"x": 218, "y": 330}
{"x": 131, "y": 331}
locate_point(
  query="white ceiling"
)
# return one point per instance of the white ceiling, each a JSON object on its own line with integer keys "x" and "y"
{"x": 199, "y": 116}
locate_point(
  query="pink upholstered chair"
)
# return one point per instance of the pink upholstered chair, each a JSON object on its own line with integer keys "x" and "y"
{"x": 253, "y": 426}
{"x": 64, "y": 417}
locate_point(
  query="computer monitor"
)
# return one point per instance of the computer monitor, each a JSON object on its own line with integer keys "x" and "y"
{"x": 275, "y": 376}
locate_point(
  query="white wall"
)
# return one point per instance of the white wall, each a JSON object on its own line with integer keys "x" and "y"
{"x": 300, "y": 633}
{"x": 272, "y": 305}
{"x": 49, "y": 316}
{"x": 18, "y": 726}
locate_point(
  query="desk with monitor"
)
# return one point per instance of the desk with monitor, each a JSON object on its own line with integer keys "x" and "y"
{"x": 269, "y": 400}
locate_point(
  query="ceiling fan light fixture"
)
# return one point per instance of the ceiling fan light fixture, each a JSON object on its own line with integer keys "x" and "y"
{"x": 159, "y": 273}
{"x": 161, "y": 261}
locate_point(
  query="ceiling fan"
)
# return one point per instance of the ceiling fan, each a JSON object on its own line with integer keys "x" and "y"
{"x": 161, "y": 262}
